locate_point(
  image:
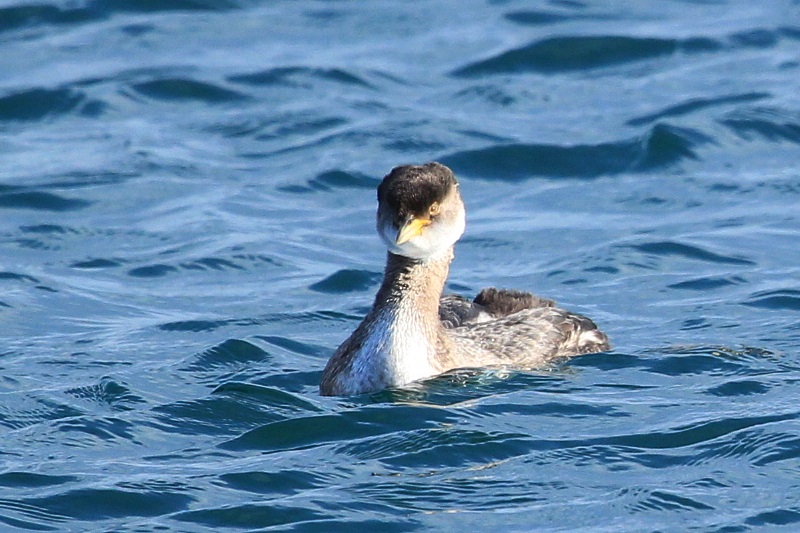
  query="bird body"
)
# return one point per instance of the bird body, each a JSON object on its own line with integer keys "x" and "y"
{"x": 412, "y": 332}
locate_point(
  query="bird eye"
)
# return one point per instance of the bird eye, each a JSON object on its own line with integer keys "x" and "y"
{"x": 434, "y": 209}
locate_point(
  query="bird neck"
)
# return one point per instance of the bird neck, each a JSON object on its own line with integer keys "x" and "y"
{"x": 400, "y": 338}
{"x": 415, "y": 285}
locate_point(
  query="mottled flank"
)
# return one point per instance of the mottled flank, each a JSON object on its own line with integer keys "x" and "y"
{"x": 412, "y": 332}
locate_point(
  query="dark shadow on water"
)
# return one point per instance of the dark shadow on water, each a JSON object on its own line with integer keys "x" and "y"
{"x": 42, "y": 14}
{"x": 778, "y": 300}
{"x": 36, "y": 104}
{"x": 351, "y": 424}
{"x": 102, "y": 504}
{"x": 41, "y": 201}
{"x": 186, "y": 90}
{"x": 232, "y": 352}
{"x": 297, "y": 77}
{"x": 688, "y": 251}
{"x": 696, "y": 104}
{"x": 347, "y": 280}
{"x": 544, "y": 18}
{"x": 768, "y": 123}
{"x": 249, "y": 516}
{"x": 333, "y": 180}
{"x": 662, "y": 146}
{"x": 579, "y": 53}
{"x": 707, "y": 283}
{"x": 31, "y": 480}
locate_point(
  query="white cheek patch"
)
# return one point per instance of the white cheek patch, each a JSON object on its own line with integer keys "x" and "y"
{"x": 434, "y": 240}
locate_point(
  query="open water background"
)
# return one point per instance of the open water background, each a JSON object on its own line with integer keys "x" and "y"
{"x": 186, "y": 234}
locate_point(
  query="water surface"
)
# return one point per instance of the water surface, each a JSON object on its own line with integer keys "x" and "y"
{"x": 186, "y": 234}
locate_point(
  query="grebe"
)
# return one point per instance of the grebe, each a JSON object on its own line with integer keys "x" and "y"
{"x": 412, "y": 332}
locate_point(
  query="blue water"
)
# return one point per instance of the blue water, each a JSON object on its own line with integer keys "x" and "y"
{"x": 186, "y": 234}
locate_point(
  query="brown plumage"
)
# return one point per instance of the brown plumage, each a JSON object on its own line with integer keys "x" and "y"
{"x": 412, "y": 332}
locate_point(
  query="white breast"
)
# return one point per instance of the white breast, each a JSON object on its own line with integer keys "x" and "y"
{"x": 396, "y": 349}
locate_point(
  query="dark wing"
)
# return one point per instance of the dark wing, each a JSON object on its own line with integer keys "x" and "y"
{"x": 504, "y": 302}
{"x": 455, "y": 311}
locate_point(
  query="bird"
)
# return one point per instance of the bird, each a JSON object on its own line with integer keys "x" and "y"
{"x": 413, "y": 332}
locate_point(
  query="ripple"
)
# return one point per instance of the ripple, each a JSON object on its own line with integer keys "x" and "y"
{"x": 312, "y": 431}
{"x": 563, "y": 409}
{"x": 195, "y": 326}
{"x": 16, "y": 412}
{"x": 285, "y": 482}
{"x": 152, "y": 271}
{"x": 154, "y": 6}
{"x": 696, "y": 104}
{"x": 298, "y": 126}
{"x": 746, "y": 387}
{"x": 755, "y": 38}
{"x": 782, "y": 299}
{"x": 39, "y": 104}
{"x": 542, "y": 18}
{"x": 660, "y": 500}
{"x": 346, "y": 280}
{"x": 300, "y": 433}
{"x": 706, "y": 433}
{"x": 771, "y": 124}
{"x": 759, "y": 445}
{"x": 580, "y": 53}
{"x": 188, "y": 90}
{"x": 108, "y": 393}
{"x": 281, "y": 127}
{"x": 48, "y": 229}
{"x": 269, "y": 397}
{"x": 488, "y": 93}
{"x": 18, "y": 277}
{"x": 696, "y": 364}
{"x": 291, "y": 345}
{"x": 205, "y": 264}
{"x": 97, "y": 264}
{"x": 29, "y": 517}
{"x": 678, "y": 361}
{"x": 101, "y": 504}
{"x": 199, "y": 325}
{"x": 687, "y": 251}
{"x": 24, "y": 16}
{"x": 334, "y": 179}
{"x": 33, "y": 480}
{"x": 439, "y": 448}
{"x": 212, "y": 263}
{"x": 472, "y": 494}
{"x": 230, "y": 353}
{"x": 778, "y": 517}
{"x": 225, "y": 414}
{"x": 304, "y": 77}
{"x": 250, "y": 516}
{"x": 661, "y": 147}
{"x": 74, "y": 431}
{"x": 21, "y": 16}
{"x": 41, "y": 201}
{"x": 707, "y": 283}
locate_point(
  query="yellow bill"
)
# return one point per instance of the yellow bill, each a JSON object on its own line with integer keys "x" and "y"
{"x": 412, "y": 228}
